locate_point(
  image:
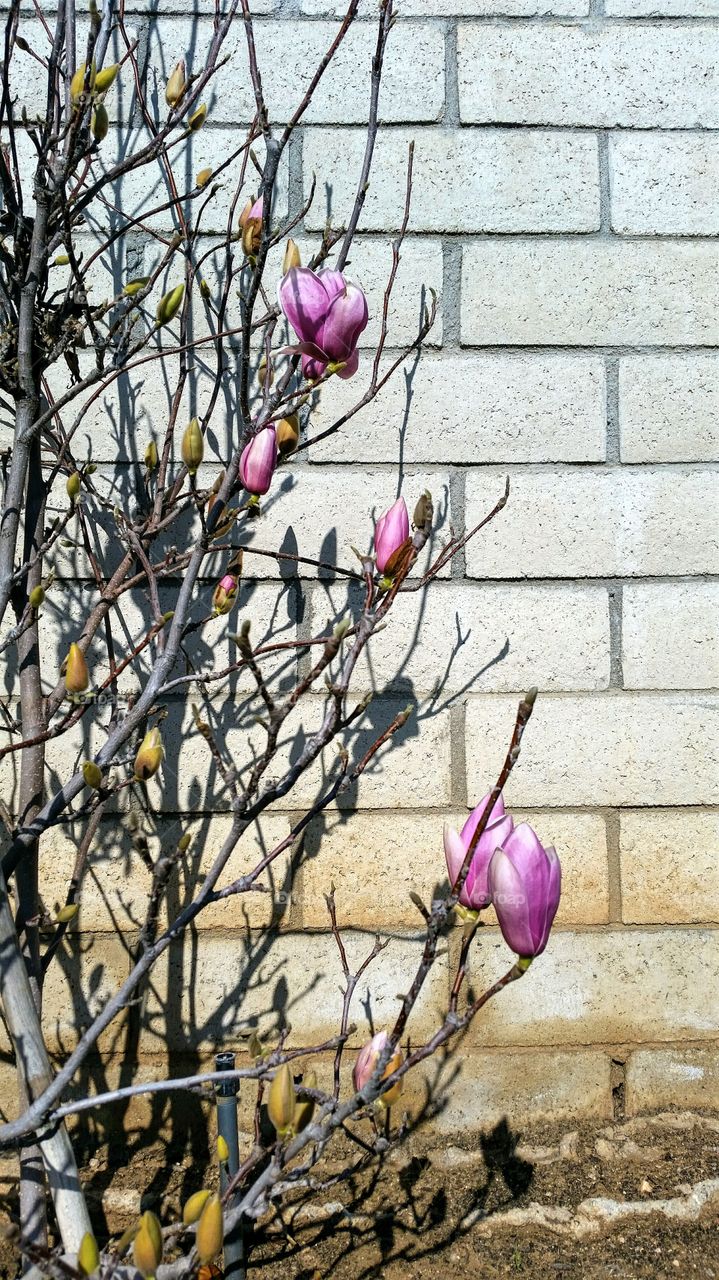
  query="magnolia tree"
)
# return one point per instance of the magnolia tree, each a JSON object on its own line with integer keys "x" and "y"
{"x": 174, "y": 548}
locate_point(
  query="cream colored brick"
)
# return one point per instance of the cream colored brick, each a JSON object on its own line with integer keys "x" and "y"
{"x": 599, "y": 749}
{"x": 462, "y": 637}
{"x": 507, "y": 1087}
{"x": 595, "y": 523}
{"x": 460, "y": 8}
{"x": 662, "y": 8}
{"x": 82, "y": 977}
{"x": 472, "y": 408}
{"x": 375, "y": 860}
{"x": 651, "y": 75}
{"x": 669, "y": 407}
{"x": 689, "y": 612}
{"x": 661, "y": 1078}
{"x": 116, "y": 880}
{"x": 664, "y": 184}
{"x": 511, "y": 180}
{"x": 668, "y": 866}
{"x": 228, "y": 985}
{"x": 582, "y": 293}
{"x": 620, "y": 985}
{"x": 412, "y": 83}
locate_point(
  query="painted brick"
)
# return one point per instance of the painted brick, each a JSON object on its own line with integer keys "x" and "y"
{"x": 472, "y": 407}
{"x": 484, "y": 637}
{"x": 669, "y": 407}
{"x": 412, "y": 84}
{"x": 244, "y": 982}
{"x": 689, "y": 613}
{"x": 458, "y": 8}
{"x": 668, "y": 866}
{"x": 586, "y": 523}
{"x": 510, "y": 180}
{"x": 367, "y": 859}
{"x": 596, "y": 987}
{"x": 659, "y": 1078}
{"x": 664, "y": 184}
{"x": 587, "y": 293}
{"x": 654, "y": 75}
{"x": 600, "y": 749}
{"x": 498, "y": 1087}
{"x": 661, "y": 8}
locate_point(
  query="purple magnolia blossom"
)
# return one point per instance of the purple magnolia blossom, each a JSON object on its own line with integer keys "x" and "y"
{"x": 328, "y": 314}
{"x": 475, "y": 891}
{"x": 366, "y": 1065}
{"x": 390, "y": 533}
{"x": 258, "y": 461}
{"x": 525, "y": 881}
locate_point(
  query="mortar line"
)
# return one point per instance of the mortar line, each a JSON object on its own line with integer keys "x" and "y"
{"x": 614, "y": 873}
{"x": 450, "y": 116}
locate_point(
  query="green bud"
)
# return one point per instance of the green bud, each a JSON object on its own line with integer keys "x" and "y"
{"x": 169, "y": 304}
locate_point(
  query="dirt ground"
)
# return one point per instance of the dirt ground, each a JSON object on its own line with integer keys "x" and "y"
{"x": 630, "y": 1200}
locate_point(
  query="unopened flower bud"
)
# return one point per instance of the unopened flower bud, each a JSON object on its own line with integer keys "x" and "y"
{"x": 92, "y": 773}
{"x": 422, "y": 514}
{"x": 176, "y": 84}
{"x": 151, "y": 456}
{"x": 254, "y": 1046}
{"x": 77, "y": 84}
{"x": 304, "y": 1109}
{"x": 292, "y": 257}
{"x": 147, "y": 1249}
{"x": 105, "y": 78}
{"x": 134, "y": 286}
{"x": 251, "y": 227}
{"x": 366, "y": 1065}
{"x": 263, "y": 369}
{"x": 281, "y": 1100}
{"x": 194, "y": 1206}
{"x": 184, "y": 843}
{"x": 203, "y": 177}
{"x": 68, "y": 913}
{"x": 224, "y": 594}
{"x": 88, "y": 1255}
{"x": 149, "y": 756}
{"x": 73, "y": 485}
{"x": 169, "y": 304}
{"x": 287, "y": 431}
{"x": 36, "y": 597}
{"x": 193, "y": 446}
{"x": 77, "y": 677}
{"x": 223, "y": 1151}
{"x": 197, "y": 119}
{"x": 208, "y": 1240}
{"x": 205, "y": 291}
{"x": 100, "y": 122}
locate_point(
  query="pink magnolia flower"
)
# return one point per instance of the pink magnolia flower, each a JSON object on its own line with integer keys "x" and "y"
{"x": 366, "y": 1065}
{"x": 390, "y": 533}
{"x": 258, "y": 461}
{"x": 475, "y": 891}
{"x": 525, "y": 881}
{"x": 224, "y": 594}
{"x": 251, "y": 226}
{"x": 328, "y": 314}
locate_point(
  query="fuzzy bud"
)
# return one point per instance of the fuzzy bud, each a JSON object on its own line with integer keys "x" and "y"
{"x": 36, "y": 597}
{"x": 422, "y": 515}
{"x": 292, "y": 257}
{"x": 100, "y": 123}
{"x": 223, "y": 1151}
{"x": 77, "y": 677}
{"x": 134, "y": 286}
{"x": 77, "y": 84}
{"x": 73, "y": 485}
{"x": 88, "y": 1255}
{"x": 287, "y": 431}
{"x": 224, "y": 594}
{"x": 151, "y": 456}
{"x": 92, "y": 773}
{"x": 176, "y": 84}
{"x": 304, "y": 1109}
{"x": 197, "y": 119}
{"x": 265, "y": 373}
{"x": 169, "y": 304}
{"x": 203, "y": 177}
{"x": 105, "y": 78}
{"x": 68, "y": 913}
{"x": 205, "y": 291}
{"x": 149, "y": 756}
{"x": 193, "y": 446}
{"x": 194, "y": 1206}
{"x": 147, "y": 1249}
{"x": 281, "y": 1101}
{"x": 184, "y": 843}
{"x": 251, "y": 227}
{"x": 254, "y": 1046}
{"x": 208, "y": 1240}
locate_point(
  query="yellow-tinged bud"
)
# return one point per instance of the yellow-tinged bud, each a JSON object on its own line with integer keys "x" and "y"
{"x": 208, "y": 1240}
{"x": 61, "y": 260}
{"x": 193, "y": 446}
{"x": 134, "y": 286}
{"x": 77, "y": 84}
{"x": 77, "y": 676}
{"x": 169, "y": 304}
{"x": 151, "y": 456}
{"x": 203, "y": 177}
{"x": 147, "y": 1248}
{"x": 92, "y": 773}
{"x": 100, "y": 123}
{"x": 262, "y": 373}
{"x": 197, "y": 119}
{"x": 251, "y": 227}
{"x": 305, "y": 1107}
{"x": 68, "y": 913}
{"x": 204, "y": 289}
{"x": 254, "y": 1046}
{"x": 105, "y": 78}
{"x": 126, "y": 1240}
{"x": 176, "y": 85}
{"x": 223, "y": 1151}
{"x": 37, "y": 595}
{"x": 183, "y": 845}
{"x": 292, "y": 257}
{"x": 73, "y": 486}
{"x": 281, "y": 1100}
{"x": 194, "y": 1206}
{"x": 88, "y": 1255}
{"x": 149, "y": 756}
{"x": 422, "y": 514}
{"x": 287, "y": 431}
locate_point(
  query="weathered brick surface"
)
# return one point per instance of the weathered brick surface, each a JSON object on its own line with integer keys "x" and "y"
{"x": 459, "y": 8}
{"x": 684, "y": 202}
{"x": 492, "y": 1087}
{"x": 659, "y": 1078}
{"x": 669, "y": 407}
{"x": 648, "y": 76}
{"x": 668, "y": 866}
{"x": 686, "y": 611}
